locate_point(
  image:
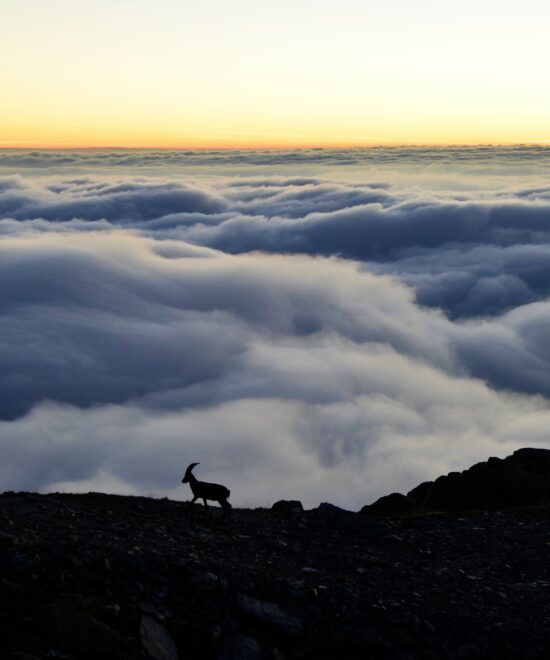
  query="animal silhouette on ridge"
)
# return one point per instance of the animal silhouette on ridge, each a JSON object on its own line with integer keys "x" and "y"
{"x": 206, "y": 491}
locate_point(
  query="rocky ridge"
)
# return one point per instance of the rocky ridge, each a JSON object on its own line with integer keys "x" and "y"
{"x": 522, "y": 479}
{"x": 103, "y": 576}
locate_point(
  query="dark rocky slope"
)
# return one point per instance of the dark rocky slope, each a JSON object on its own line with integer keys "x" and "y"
{"x": 522, "y": 479}
{"x": 98, "y": 576}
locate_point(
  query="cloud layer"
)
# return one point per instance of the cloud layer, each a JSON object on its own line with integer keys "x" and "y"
{"x": 473, "y": 252}
{"x": 300, "y": 335}
{"x": 484, "y": 158}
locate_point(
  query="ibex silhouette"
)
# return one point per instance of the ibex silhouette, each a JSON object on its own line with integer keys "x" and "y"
{"x": 207, "y": 491}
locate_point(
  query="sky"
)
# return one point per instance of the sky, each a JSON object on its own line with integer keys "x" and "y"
{"x": 305, "y": 244}
{"x": 301, "y": 73}
{"x": 323, "y": 325}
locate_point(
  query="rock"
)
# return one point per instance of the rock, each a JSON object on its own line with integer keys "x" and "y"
{"x": 288, "y": 507}
{"x": 522, "y": 479}
{"x": 205, "y": 583}
{"x": 156, "y": 640}
{"x": 71, "y": 627}
{"x": 329, "y": 509}
{"x": 342, "y": 519}
{"x": 326, "y": 583}
{"x": 389, "y": 504}
{"x": 240, "y": 647}
{"x": 270, "y": 613}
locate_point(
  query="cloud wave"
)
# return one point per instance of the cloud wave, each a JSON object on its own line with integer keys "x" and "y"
{"x": 128, "y": 357}
{"x": 298, "y": 332}
{"x": 475, "y": 253}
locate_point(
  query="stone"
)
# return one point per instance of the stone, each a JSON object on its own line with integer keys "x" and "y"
{"x": 288, "y": 507}
{"x": 240, "y": 647}
{"x": 156, "y": 640}
{"x": 270, "y": 613}
{"x": 205, "y": 583}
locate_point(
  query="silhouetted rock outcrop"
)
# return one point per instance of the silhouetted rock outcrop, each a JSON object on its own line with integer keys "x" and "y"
{"x": 288, "y": 507}
{"x": 393, "y": 503}
{"x": 522, "y": 479}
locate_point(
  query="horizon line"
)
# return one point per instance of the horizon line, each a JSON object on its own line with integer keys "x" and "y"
{"x": 22, "y": 146}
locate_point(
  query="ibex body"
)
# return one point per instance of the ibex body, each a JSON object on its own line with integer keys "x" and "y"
{"x": 206, "y": 491}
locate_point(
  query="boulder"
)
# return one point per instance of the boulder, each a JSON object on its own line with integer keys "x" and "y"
{"x": 156, "y": 641}
{"x": 288, "y": 507}
{"x": 269, "y": 613}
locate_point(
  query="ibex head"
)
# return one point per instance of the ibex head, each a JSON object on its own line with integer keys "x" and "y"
{"x": 187, "y": 474}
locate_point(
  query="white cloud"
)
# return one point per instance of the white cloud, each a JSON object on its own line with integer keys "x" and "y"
{"x": 132, "y": 342}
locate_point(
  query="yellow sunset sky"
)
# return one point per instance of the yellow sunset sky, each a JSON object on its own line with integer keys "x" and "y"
{"x": 243, "y": 73}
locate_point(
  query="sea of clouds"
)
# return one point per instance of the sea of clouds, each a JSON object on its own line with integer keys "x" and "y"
{"x": 320, "y": 325}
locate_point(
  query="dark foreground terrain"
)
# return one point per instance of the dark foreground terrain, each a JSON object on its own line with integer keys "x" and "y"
{"x": 98, "y": 576}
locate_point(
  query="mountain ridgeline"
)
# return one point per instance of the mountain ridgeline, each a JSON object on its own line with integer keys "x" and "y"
{"x": 522, "y": 479}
